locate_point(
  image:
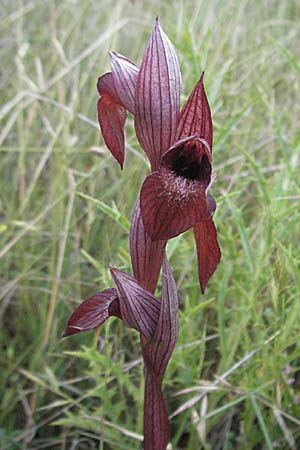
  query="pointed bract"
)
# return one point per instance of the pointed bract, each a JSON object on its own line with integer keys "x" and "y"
{"x": 146, "y": 255}
{"x": 93, "y": 312}
{"x": 139, "y": 309}
{"x": 166, "y": 333}
{"x": 112, "y": 117}
{"x": 195, "y": 116}
{"x": 124, "y": 74}
{"x": 156, "y": 354}
{"x": 157, "y": 96}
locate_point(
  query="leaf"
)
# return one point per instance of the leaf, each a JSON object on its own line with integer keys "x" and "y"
{"x": 261, "y": 422}
{"x": 33, "y": 378}
{"x": 111, "y": 211}
{"x": 157, "y": 96}
{"x": 93, "y": 312}
{"x": 146, "y": 255}
{"x": 91, "y": 260}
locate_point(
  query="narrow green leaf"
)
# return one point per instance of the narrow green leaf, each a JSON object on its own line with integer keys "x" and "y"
{"x": 91, "y": 260}
{"x": 261, "y": 422}
{"x": 223, "y": 408}
{"x": 111, "y": 211}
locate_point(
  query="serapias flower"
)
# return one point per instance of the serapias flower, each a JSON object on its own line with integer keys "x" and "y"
{"x": 174, "y": 197}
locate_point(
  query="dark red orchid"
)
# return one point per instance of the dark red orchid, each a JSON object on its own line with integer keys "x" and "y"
{"x": 173, "y": 198}
{"x": 178, "y": 144}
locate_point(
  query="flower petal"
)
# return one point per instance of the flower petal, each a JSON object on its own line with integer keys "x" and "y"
{"x": 171, "y": 205}
{"x": 208, "y": 250}
{"x": 124, "y": 74}
{"x": 157, "y": 96}
{"x": 139, "y": 309}
{"x": 195, "y": 116}
{"x": 156, "y": 354}
{"x": 146, "y": 255}
{"x": 112, "y": 116}
{"x": 93, "y": 312}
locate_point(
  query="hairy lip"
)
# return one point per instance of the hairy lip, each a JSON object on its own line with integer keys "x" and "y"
{"x": 178, "y": 187}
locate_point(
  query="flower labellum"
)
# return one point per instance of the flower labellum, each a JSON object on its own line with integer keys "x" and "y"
{"x": 173, "y": 198}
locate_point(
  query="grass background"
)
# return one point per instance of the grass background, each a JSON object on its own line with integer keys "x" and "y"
{"x": 233, "y": 380}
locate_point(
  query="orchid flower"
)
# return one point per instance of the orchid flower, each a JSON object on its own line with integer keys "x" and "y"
{"x": 174, "y": 197}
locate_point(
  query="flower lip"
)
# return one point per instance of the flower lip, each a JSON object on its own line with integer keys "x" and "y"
{"x": 189, "y": 158}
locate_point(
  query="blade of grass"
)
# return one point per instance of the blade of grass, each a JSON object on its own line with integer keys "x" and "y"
{"x": 261, "y": 422}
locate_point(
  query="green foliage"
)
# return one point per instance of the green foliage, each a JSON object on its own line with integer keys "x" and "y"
{"x": 65, "y": 209}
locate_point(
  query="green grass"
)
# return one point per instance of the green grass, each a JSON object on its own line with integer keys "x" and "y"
{"x": 227, "y": 385}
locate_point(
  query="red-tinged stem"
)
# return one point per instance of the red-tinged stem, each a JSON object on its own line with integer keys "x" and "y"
{"x": 156, "y": 424}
